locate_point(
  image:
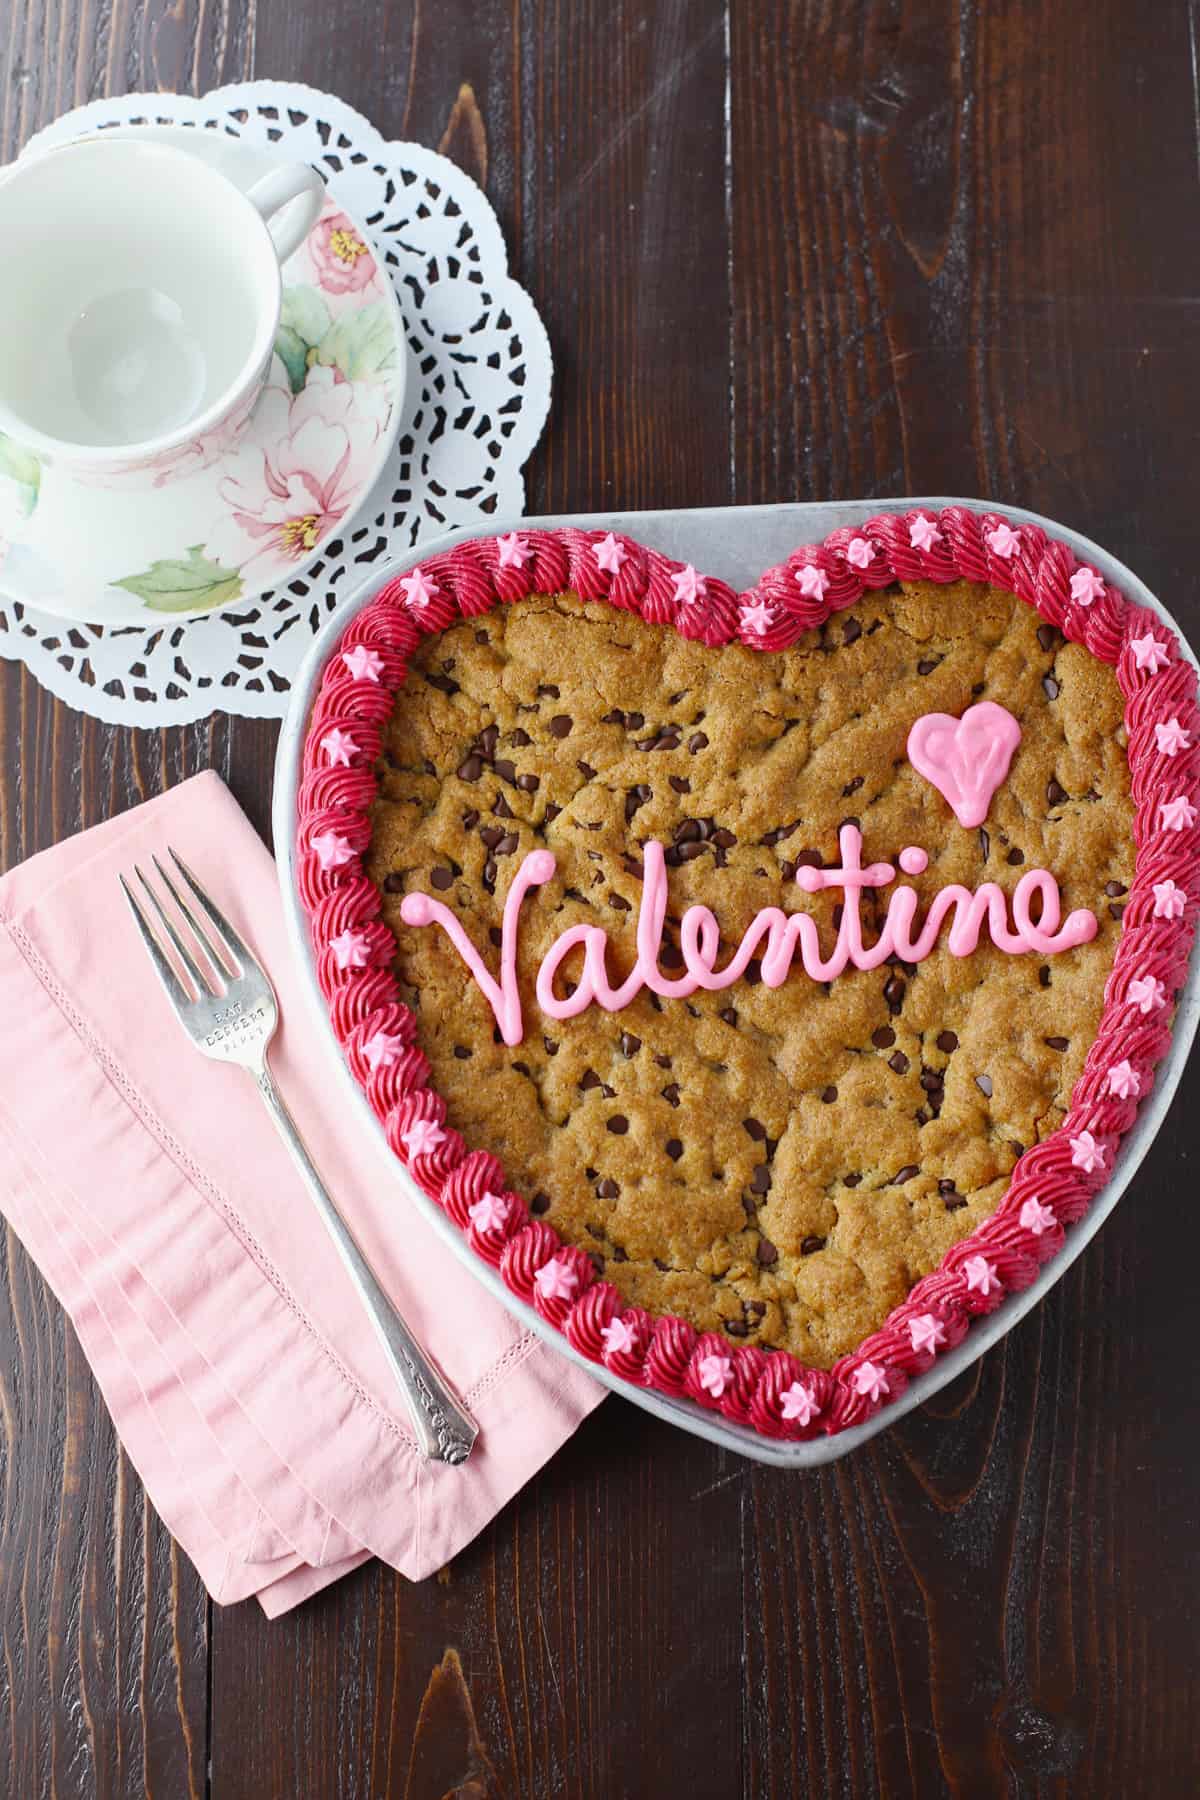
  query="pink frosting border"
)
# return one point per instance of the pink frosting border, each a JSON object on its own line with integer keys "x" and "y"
{"x": 771, "y": 1391}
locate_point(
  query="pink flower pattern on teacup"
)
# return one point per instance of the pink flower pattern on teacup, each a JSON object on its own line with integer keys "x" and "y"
{"x": 342, "y": 262}
{"x": 298, "y": 470}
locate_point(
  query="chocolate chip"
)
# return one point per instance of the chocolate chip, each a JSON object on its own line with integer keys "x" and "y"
{"x": 750, "y": 1206}
{"x": 724, "y": 838}
{"x": 893, "y": 993}
{"x": 927, "y": 665}
{"x": 932, "y": 1081}
{"x": 697, "y": 741}
{"x": 441, "y": 879}
{"x": 489, "y": 737}
{"x": 551, "y": 1046}
{"x": 634, "y": 721}
{"x": 589, "y": 1079}
{"x": 491, "y": 835}
{"x": 615, "y": 717}
{"x": 898, "y": 1062}
{"x": 586, "y": 770}
{"x": 905, "y": 1174}
{"x": 620, "y": 902}
{"x": 462, "y": 1053}
{"x": 809, "y": 859}
{"x": 757, "y": 1307}
{"x": 760, "y": 1180}
{"x": 501, "y": 808}
{"x": 637, "y": 796}
{"x": 551, "y": 813}
{"x": 953, "y": 1202}
{"x": 540, "y": 1203}
{"x": 852, "y": 787}
{"x": 1044, "y": 975}
{"x": 766, "y": 1253}
{"x": 1015, "y": 858}
{"x": 471, "y": 769}
{"x": 1048, "y": 637}
{"x": 630, "y": 1045}
{"x": 1114, "y": 889}
{"x": 728, "y": 1015}
{"x": 883, "y": 1037}
{"x": 393, "y": 883}
{"x": 608, "y": 1190}
{"x": 1058, "y": 1043}
{"x": 619, "y": 1254}
{"x": 1055, "y": 792}
{"x": 984, "y": 1084}
{"x": 736, "y": 1327}
{"x": 829, "y": 1095}
{"x": 506, "y": 770}
{"x": 1116, "y": 911}
{"x": 978, "y": 689}
{"x": 810, "y": 1245}
{"x": 670, "y": 957}
{"x": 489, "y": 874}
{"x": 754, "y": 1129}
{"x": 851, "y": 1181}
{"x": 985, "y": 843}
{"x": 547, "y": 690}
{"x": 618, "y": 1124}
{"x": 680, "y": 783}
{"x": 673, "y": 1148}
{"x": 496, "y": 935}
{"x": 528, "y": 784}
{"x": 560, "y": 725}
{"x": 753, "y": 972}
{"x": 444, "y": 685}
{"x": 671, "y": 1094}
{"x": 947, "y": 1042}
{"x": 851, "y": 631}
{"x": 662, "y": 1062}
{"x": 1051, "y": 689}
{"x": 520, "y": 738}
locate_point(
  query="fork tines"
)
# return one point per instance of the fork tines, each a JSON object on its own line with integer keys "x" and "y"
{"x": 215, "y": 955}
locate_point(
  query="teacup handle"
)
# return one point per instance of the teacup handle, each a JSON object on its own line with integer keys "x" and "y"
{"x": 293, "y": 182}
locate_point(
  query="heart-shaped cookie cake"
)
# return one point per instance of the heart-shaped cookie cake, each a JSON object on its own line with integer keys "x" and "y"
{"x": 763, "y": 982}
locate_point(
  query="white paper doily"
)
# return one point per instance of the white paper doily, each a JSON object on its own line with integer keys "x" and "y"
{"x": 478, "y": 395}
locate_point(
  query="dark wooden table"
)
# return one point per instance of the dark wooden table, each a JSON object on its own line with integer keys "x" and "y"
{"x": 784, "y": 252}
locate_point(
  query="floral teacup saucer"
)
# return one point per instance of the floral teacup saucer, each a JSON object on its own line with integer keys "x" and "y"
{"x": 247, "y": 508}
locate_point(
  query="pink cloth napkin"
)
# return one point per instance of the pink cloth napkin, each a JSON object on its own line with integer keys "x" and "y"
{"x": 149, "y": 1186}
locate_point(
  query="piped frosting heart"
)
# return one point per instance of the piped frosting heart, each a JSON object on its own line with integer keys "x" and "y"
{"x": 966, "y": 759}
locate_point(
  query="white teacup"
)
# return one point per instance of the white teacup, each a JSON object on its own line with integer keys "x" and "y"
{"x": 140, "y": 315}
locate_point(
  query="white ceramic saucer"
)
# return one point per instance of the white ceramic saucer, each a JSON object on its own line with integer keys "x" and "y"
{"x": 236, "y": 514}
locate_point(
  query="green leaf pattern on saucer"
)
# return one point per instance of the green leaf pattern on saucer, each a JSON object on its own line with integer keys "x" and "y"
{"x": 182, "y": 586}
{"x": 21, "y": 474}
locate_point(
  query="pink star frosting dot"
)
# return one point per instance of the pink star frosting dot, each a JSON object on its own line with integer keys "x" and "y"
{"x": 556, "y": 1280}
{"x": 813, "y": 581}
{"x": 927, "y": 1333}
{"x": 1086, "y": 586}
{"x": 860, "y": 553}
{"x": 383, "y": 1049}
{"x": 489, "y": 1212}
{"x": 349, "y": 950}
{"x": 1178, "y": 814}
{"x": 796, "y": 1403}
{"x": 1149, "y": 653}
{"x": 981, "y": 1276}
{"x": 339, "y": 747}
{"x": 689, "y": 587}
{"x": 332, "y": 849}
{"x": 514, "y": 550}
{"x": 1124, "y": 1081}
{"x": 616, "y": 1337}
{"x": 1171, "y": 738}
{"x": 1086, "y": 1153}
{"x": 610, "y": 554}
{"x": 714, "y": 1373}
{"x": 923, "y": 534}
{"x": 1169, "y": 901}
{"x": 363, "y": 663}
{"x": 1147, "y": 993}
{"x": 870, "y": 1381}
{"x": 422, "y": 1138}
{"x": 1003, "y": 541}
{"x": 756, "y": 618}
{"x": 419, "y": 590}
{"x": 1036, "y": 1218}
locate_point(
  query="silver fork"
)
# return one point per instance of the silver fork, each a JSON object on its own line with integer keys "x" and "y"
{"x": 231, "y": 1015}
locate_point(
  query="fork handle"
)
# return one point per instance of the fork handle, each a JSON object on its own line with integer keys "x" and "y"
{"x": 445, "y": 1430}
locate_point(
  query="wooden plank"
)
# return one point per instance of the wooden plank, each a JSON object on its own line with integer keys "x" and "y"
{"x": 103, "y": 1622}
{"x": 963, "y": 275}
{"x": 578, "y": 1647}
